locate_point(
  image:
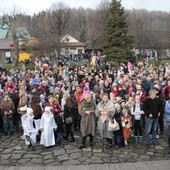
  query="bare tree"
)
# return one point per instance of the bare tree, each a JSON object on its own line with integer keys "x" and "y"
{"x": 157, "y": 33}
{"x": 40, "y": 29}
{"x": 137, "y": 27}
{"x": 59, "y": 16}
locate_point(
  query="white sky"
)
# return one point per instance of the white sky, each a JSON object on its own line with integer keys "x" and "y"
{"x": 34, "y": 6}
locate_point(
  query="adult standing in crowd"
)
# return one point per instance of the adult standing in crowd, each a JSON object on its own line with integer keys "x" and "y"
{"x": 69, "y": 111}
{"x": 151, "y": 110}
{"x": 88, "y": 121}
{"x": 7, "y": 107}
{"x": 78, "y": 96}
{"x": 105, "y": 113}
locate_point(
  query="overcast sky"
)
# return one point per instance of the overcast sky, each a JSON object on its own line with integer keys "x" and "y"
{"x": 34, "y": 6}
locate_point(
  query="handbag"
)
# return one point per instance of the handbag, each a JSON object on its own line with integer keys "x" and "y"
{"x": 68, "y": 120}
{"x": 113, "y": 126}
{"x": 23, "y": 108}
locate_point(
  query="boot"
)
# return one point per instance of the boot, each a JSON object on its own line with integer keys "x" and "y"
{"x": 140, "y": 139}
{"x": 30, "y": 146}
{"x": 83, "y": 143}
{"x": 136, "y": 139}
{"x": 72, "y": 139}
{"x": 65, "y": 137}
{"x": 91, "y": 140}
{"x": 108, "y": 146}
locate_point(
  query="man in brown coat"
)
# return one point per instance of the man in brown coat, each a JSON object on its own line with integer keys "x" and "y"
{"x": 88, "y": 121}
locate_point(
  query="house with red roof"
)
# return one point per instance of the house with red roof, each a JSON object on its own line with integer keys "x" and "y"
{"x": 71, "y": 46}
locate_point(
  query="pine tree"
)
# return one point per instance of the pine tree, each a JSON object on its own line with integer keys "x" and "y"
{"x": 117, "y": 42}
{"x": 83, "y": 34}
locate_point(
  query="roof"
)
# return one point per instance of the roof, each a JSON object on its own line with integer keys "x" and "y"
{"x": 73, "y": 44}
{"x": 3, "y": 31}
{"x": 95, "y": 46}
{"x": 22, "y": 33}
{"x": 5, "y": 44}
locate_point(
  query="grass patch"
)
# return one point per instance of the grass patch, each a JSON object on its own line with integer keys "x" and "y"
{"x": 19, "y": 67}
{"x": 162, "y": 62}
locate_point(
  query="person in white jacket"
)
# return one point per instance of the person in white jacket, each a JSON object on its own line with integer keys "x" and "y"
{"x": 47, "y": 126}
{"x": 136, "y": 111}
{"x": 29, "y": 131}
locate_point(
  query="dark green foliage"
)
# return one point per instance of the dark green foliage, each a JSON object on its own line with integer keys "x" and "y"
{"x": 83, "y": 35}
{"x": 117, "y": 42}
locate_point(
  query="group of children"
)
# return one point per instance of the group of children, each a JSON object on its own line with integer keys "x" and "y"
{"x": 126, "y": 117}
{"x": 47, "y": 126}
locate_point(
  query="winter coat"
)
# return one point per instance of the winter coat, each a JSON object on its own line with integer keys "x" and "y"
{"x": 88, "y": 121}
{"x": 103, "y": 124}
{"x": 7, "y": 106}
{"x": 126, "y": 124}
{"x": 150, "y": 106}
{"x": 69, "y": 112}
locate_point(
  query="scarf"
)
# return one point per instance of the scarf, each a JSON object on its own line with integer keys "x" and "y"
{"x": 89, "y": 104}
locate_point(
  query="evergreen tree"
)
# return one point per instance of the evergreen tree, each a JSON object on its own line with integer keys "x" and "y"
{"x": 117, "y": 42}
{"x": 83, "y": 34}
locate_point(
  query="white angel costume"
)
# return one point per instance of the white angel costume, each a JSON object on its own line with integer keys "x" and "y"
{"x": 47, "y": 126}
{"x": 29, "y": 131}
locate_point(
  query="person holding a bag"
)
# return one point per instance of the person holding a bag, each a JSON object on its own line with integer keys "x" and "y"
{"x": 105, "y": 112}
{"x": 118, "y": 134}
{"x": 69, "y": 118}
{"x": 88, "y": 122}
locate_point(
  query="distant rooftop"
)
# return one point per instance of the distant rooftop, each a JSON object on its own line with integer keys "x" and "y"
{"x": 22, "y": 33}
{"x": 3, "y": 31}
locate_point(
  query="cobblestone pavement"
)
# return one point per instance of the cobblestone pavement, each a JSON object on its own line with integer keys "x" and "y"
{"x": 14, "y": 152}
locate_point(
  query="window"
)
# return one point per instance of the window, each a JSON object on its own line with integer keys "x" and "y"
{"x": 72, "y": 48}
{"x": 7, "y": 54}
{"x": 67, "y": 39}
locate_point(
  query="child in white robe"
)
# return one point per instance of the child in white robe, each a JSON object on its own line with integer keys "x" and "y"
{"x": 29, "y": 131}
{"x": 47, "y": 126}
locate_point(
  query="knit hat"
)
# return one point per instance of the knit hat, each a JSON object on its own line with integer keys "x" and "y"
{"x": 117, "y": 105}
{"x": 121, "y": 101}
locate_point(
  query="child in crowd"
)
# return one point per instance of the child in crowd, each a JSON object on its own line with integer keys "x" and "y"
{"x": 47, "y": 126}
{"x": 127, "y": 125}
{"x": 29, "y": 131}
{"x": 118, "y": 135}
{"x": 136, "y": 111}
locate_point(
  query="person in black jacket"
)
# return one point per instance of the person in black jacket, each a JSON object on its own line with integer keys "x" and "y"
{"x": 69, "y": 110}
{"x": 161, "y": 103}
{"x": 151, "y": 110}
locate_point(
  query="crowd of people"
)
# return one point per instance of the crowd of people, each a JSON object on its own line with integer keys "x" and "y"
{"x": 47, "y": 104}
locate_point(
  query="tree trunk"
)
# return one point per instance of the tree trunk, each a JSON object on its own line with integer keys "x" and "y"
{"x": 16, "y": 52}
